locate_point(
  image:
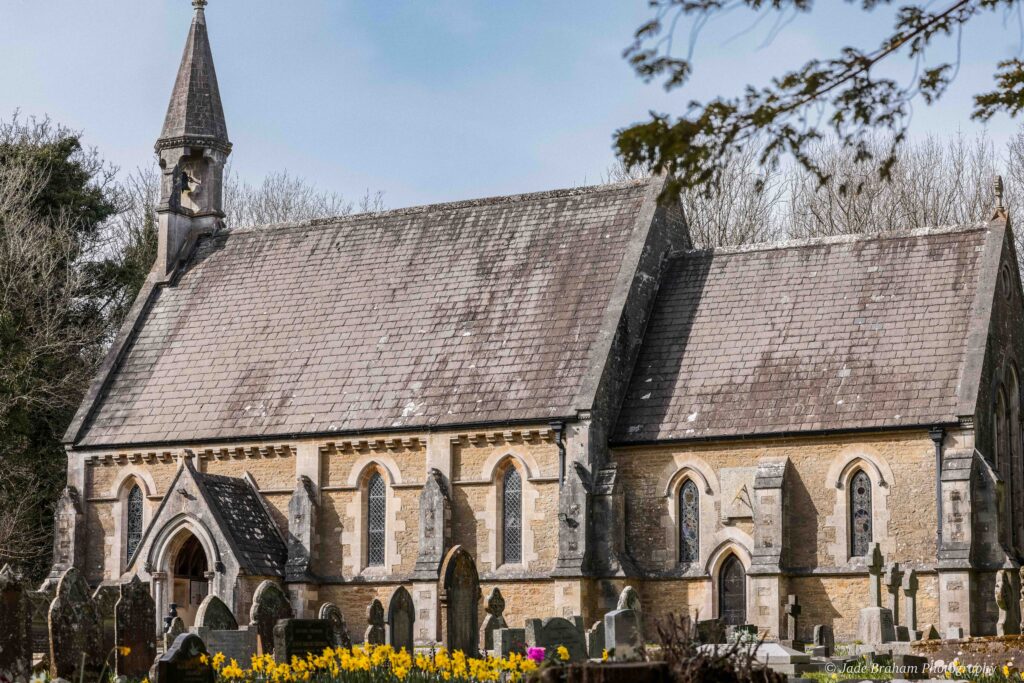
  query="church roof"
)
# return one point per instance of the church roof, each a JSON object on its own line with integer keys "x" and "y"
{"x": 840, "y": 333}
{"x": 195, "y": 114}
{"x": 491, "y": 311}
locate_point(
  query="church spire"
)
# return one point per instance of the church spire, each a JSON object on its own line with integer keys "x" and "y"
{"x": 193, "y": 149}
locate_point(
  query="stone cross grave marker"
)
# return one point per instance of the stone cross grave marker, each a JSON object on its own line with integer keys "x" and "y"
{"x": 74, "y": 630}
{"x": 269, "y": 605}
{"x": 910, "y": 602}
{"x": 301, "y": 637}
{"x": 793, "y": 610}
{"x": 105, "y": 597}
{"x": 875, "y": 576}
{"x": 622, "y": 634}
{"x": 213, "y": 614}
{"x": 595, "y": 640}
{"x": 15, "y": 627}
{"x": 630, "y": 599}
{"x": 375, "y": 634}
{"x": 134, "y": 630}
{"x": 893, "y": 580}
{"x": 495, "y": 618}
{"x": 401, "y": 620}
{"x": 183, "y": 662}
{"x": 330, "y": 613}
{"x": 555, "y": 631}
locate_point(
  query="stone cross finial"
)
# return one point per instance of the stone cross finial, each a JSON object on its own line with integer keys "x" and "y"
{"x": 199, "y": 4}
{"x": 997, "y": 187}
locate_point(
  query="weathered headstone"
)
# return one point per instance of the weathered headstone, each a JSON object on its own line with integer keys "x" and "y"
{"x": 792, "y": 611}
{"x": 893, "y": 579}
{"x": 330, "y": 613}
{"x": 74, "y": 630}
{"x": 509, "y": 640}
{"x": 555, "y": 631}
{"x": 301, "y": 637}
{"x": 375, "y": 634}
{"x": 401, "y": 619}
{"x": 824, "y": 638}
{"x": 495, "y": 618}
{"x": 239, "y": 644}
{"x": 105, "y": 597}
{"x": 875, "y": 626}
{"x": 183, "y": 662}
{"x": 134, "y": 630}
{"x": 595, "y": 640}
{"x": 215, "y": 615}
{"x": 622, "y": 634}
{"x": 174, "y": 629}
{"x": 15, "y": 627}
{"x": 39, "y": 604}
{"x": 710, "y": 631}
{"x": 630, "y": 599}
{"x": 461, "y": 597}
{"x": 910, "y": 667}
{"x": 954, "y": 633}
{"x": 269, "y": 605}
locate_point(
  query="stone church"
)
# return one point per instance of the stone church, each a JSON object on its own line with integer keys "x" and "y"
{"x": 558, "y": 389}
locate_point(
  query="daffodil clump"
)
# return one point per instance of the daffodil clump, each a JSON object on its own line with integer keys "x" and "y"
{"x": 1006, "y": 673}
{"x": 375, "y": 664}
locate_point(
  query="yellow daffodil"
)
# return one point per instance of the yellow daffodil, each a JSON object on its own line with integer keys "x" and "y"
{"x": 563, "y": 653}
{"x": 604, "y": 655}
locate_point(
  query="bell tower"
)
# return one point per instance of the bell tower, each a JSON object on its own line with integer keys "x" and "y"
{"x": 193, "y": 149}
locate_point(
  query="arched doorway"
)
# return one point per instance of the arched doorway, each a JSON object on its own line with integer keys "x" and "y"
{"x": 190, "y": 577}
{"x": 732, "y": 592}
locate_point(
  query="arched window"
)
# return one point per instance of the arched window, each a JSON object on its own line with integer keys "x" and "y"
{"x": 1000, "y": 437}
{"x": 133, "y": 519}
{"x": 512, "y": 517}
{"x": 376, "y": 516}
{"x": 860, "y": 514}
{"x": 689, "y": 522}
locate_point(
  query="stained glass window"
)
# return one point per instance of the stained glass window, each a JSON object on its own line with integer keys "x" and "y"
{"x": 512, "y": 507}
{"x": 376, "y": 516}
{"x": 134, "y": 522}
{"x": 860, "y": 514}
{"x": 689, "y": 522}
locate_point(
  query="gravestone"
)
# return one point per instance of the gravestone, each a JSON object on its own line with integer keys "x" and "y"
{"x": 622, "y": 634}
{"x": 630, "y": 599}
{"x": 134, "y": 630}
{"x": 710, "y": 631}
{"x": 954, "y": 633}
{"x": 375, "y": 634}
{"x": 554, "y": 631}
{"x": 74, "y": 630}
{"x": 1004, "y": 596}
{"x": 39, "y": 606}
{"x": 238, "y": 644}
{"x": 461, "y": 597}
{"x": 875, "y": 626}
{"x": 269, "y": 605}
{"x": 595, "y": 640}
{"x": 105, "y": 598}
{"x": 301, "y": 637}
{"x": 330, "y": 613}
{"x": 15, "y": 628}
{"x": 182, "y": 663}
{"x": 875, "y": 576}
{"x": 174, "y": 629}
{"x": 792, "y": 611}
{"x": 910, "y": 603}
{"x": 893, "y": 579}
{"x": 509, "y": 640}
{"x": 495, "y": 618}
{"x": 824, "y": 638}
{"x": 213, "y": 614}
{"x": 910, "y": 667}
{"x": 401, "y": 618}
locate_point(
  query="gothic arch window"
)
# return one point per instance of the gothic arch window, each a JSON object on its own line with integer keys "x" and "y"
{"x": 376, "y": 520}
{"x": 133, "y": 521}
{"x": 689, "y": 522}
{"x": 512, "y": 517}
{"x": 860, "y": 514}
{"x": 1000, "y": 436}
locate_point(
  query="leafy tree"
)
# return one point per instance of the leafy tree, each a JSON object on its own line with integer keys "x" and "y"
{"x": 694, "y": 146}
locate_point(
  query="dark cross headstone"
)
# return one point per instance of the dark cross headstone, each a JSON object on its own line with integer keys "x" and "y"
{"x": 330, "y": 613}
{"x": 105, "y": 597}
{"x": 375, "y": 634}
{"x": 269, "y": 605}
{"x": 215, "y": 615}
{"x": 595, "y": 640}
{"x": 183, "y": 662}
{"x": 555, "y": 631}
{"x": 792, "y": 610}
{"x": 461, "y": 598}
{"x": 301, "y": 637}
{"x": 495, "y": 618}
{"x": 401, "y": 617}
{"x": 74, "y": 630}
{"x": 134, "y": 630}
{"x": 630, "y": 599}
{"x": 15, "y": 627}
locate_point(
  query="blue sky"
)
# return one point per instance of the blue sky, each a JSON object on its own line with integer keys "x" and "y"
{"x": 427, "y": 100}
